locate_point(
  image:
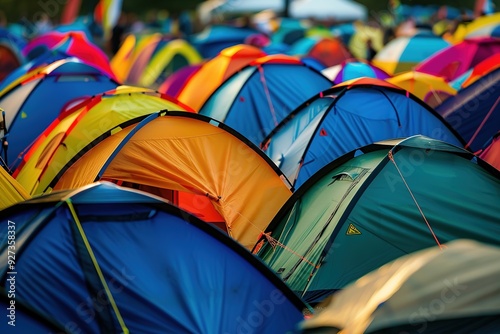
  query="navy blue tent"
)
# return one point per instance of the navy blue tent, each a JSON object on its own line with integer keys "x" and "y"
{"x": 475, "y": 111}
{"x": 346, "y": 117}
{"x": 107, "y": 259}
{"x": 254, "y": 100}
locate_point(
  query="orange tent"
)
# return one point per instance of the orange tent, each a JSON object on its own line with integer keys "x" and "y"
{"x": 178, "y": 153}
{"x": 214, "y": 72}
{"x": 491, "y": 154}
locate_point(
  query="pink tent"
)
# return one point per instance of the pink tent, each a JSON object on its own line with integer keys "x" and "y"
{"x": 455, "y": 60}
{"x": 73, "y": 44}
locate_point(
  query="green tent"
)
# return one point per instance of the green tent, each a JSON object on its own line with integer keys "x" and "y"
{"x": 376, "y": 204}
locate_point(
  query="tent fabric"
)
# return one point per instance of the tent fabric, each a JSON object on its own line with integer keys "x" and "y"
{"x": 431, "y": 89}
{"x": 386, "y": 300}
{"x": 9, "y": 58}
{"x": 25, "y": 100}
{"x": 479, "y": 27}
{"x": 72, "y": 133}
{"x": 175, "y": 83}
{"x": 133, "y": 263}
{"x": 491, "y": 153}
{"x": 12, "y": 191}
{"x": 456, "y": 59}
{"x": 345, "y": 117}
{"x": 39, "y": 62}
{"x": 254, "y": 100}
{"x": 24, "y": 319}
{"x": 73, "y": 43}
{"x": 376, "y": 204}
{"x": 167, "y": 57}
{"x": 134, "y": 54}
{"x": 486, "y": 66}
{"x": 215, "y": 38}
{"x": 215, "y": 71}
{"x": 327, "y": 50}
{"x": 189, "y": 153}
{"x": 404, "y": 53}
{"x": 352, "y": 69}
{"x": 475, "y": 111}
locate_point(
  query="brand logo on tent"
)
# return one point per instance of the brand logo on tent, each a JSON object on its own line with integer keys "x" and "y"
{"x": 352, "y": 230}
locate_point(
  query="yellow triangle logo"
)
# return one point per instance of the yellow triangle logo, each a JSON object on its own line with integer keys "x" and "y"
{"x": 23, "y": 114}
{"x": 352, "y": 230}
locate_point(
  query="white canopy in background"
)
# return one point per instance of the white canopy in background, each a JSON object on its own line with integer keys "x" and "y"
{"x": 345, "y": 10}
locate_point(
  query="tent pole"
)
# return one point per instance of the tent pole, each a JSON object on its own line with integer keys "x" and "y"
{"x": 5, "y": 143}
{"x": 286, "y": 8}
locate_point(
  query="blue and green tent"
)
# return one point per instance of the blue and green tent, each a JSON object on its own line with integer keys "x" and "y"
{"x": 254, "y": 100}
{"x": 346, "y": 117}
{"x": 376, "y": 204}
{"x": 105, "y": 259}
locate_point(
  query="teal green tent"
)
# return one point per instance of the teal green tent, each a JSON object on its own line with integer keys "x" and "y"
{"x": 376, "y": 204}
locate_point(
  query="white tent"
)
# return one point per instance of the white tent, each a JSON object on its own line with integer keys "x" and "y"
{"x": 341, "y": 10}
{"x": 345, "y": 10}
{"x": 459, "y": 283}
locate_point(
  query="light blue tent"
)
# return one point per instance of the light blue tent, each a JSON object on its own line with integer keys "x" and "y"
{"x": 346, "y": 117}
{"x": 107, "y": 259}
{"x": 254, "y": 100}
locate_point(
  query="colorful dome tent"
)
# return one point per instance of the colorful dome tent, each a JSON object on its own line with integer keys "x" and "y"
{"x": 197, "y": 163}
{"x": 43, "y": 60}
{"x": 12, "y": 191}
{"x": 352, "y": 69}
{"x": 254, "y": 100}
{"x": 215, "y": 71}
{"x": 475, "y": 111}
{"x": 83, "y": 126}
{"x": 483, "y": 26}
{"x": 472, "y": 75}
{"x": 491, "y": 152}
{"x": 456, "y": 59}
{"x": 327, "y": 50}
{"x": 165, "y": 56}
{"x": 73, "y": 43}
{"x": 386, "y": 300}
{"x": 405, "y": 53}
{"x": 215, "y": 38}
{"x": 431, "y": 89}
{"x": 376, "y": 204}
{"x": 28, "y": 112}
{"x": 98, "y": 244}
{"x": 10, "y": 52}
{"x": 129, "y": 50}
{"x": 175, "y": 83}
{"x": 345, "y": 117}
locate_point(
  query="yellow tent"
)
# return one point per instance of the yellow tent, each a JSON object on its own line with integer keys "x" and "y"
{"x": 77, "y": 130}
{"x": 190, "y": 153}
{"x": 170, "y": 57}
{"x": 480, "y": 27}
{"x": 131, "y": 48}
{"x": 12, "y": 191}
{"x": 429, "y": 88}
